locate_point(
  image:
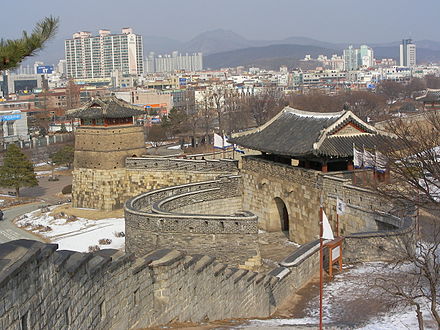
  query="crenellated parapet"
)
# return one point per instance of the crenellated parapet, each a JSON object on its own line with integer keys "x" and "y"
{"x": 181, "y": 164}
{"x": 204, "y": 216}
{"x": 47, "y": 289}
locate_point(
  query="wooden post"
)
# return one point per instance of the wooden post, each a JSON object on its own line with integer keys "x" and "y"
{"x": 336, "y": 243}
{"x": 337, "y": 224}
{"x": 321, "y": 265}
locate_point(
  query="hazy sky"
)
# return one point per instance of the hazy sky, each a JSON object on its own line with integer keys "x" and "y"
{"x": 326, "y": 20}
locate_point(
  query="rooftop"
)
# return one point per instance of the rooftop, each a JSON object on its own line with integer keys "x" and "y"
{"x": 106, "y": 107}
{"x": 432, "y": 95}
{"x": 298, "y": 133}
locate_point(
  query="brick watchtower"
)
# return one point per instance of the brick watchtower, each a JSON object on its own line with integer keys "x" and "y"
{"x": 105, "y": 137}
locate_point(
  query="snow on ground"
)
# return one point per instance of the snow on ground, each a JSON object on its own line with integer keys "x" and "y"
{"x": 42, "y": 173}
{"x": 74, "y": 234}
{"x": 179, "y": 146}
{"x": 350, "y": 292}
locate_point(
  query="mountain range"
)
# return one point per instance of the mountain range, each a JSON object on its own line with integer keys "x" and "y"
{"x": 224, "y": 48}
{"x": 227, "y": 48}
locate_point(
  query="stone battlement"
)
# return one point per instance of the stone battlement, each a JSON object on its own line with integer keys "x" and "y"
{"x": 301, "y": 190}
{"x": 153, "y": 220}
{"x": 45, "y": 288}
{"x": 179, "y": 164}
{"x": 109, "y": 289}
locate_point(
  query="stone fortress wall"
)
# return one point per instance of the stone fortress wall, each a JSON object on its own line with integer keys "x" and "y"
{"x": 106, "y": 148}
{"x": 108, "y": 189}
{"x": 155, "y": 220}
{"x": 47, "y": 289}
{"x": 109, "y": 289}
{"x": 301, "y": 190}
{"x": 42, "y": 288}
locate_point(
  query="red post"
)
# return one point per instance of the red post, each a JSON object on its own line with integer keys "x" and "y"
{"x": 321, "y": 266}
{"x": 337, "y": 224}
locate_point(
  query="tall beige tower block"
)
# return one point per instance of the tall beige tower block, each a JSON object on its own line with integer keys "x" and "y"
{"x": 105, "y": 137}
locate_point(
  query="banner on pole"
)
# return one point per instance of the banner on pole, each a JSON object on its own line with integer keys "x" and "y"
{"x": 340, "y": 206}
{"x": 369, "y": 159}
{"x": 358, "y": 158}
{"x": 381, "y": 162}
{"x": 218, "y": 141}
{"x": 327, "y": 232}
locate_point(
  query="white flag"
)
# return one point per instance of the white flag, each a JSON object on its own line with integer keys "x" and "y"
{"x": 381, "y": 162}
{"x": 327, "y": 232}
{"x": 340, "y": 206}
{"x": 358, "y": 158}
{"x": 226, "y": 144}
{"x": 369, "y": 159}
{"x": 218, "y": 141}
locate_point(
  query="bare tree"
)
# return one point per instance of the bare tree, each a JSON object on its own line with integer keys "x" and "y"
{"x": 265, "y": 104}
{"x": 414, "y": 160}
{"x": 417, "y": 281}
{"x": 236, "y": 113}
{"x": 414, "y": 164}
{"x": 391, "y": 89}
{"x": 217, "y": 96}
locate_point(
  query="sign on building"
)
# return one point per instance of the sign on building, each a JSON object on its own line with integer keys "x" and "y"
{"x": 44, "y": 69}
{"x": 10, "y": 117}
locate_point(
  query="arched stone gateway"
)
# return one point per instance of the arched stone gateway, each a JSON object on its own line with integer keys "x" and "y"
{"x": 279, "y": 216}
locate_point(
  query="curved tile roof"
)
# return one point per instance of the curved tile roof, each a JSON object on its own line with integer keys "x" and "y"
{"x": 106, "y": 107}
{"x": 299, "y": 133}
{"x": 432, "y": 95}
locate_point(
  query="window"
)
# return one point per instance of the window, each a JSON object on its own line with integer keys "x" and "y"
{"x": 25, "y": 321}
{"x": 10, "y": 125}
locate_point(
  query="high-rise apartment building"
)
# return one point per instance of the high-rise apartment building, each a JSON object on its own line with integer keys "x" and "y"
{"x": 366, "y": 56}
{"x": 90, "y": 56}
{"x": 407, "y": 53}
{"x": 355, "y": 58}
{"x": 173, "y": 62}
{"x": 351, "y": 56}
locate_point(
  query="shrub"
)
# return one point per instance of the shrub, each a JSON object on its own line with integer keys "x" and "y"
{"x": 94, "y": 248}
{"x": 105, "y": 241}
{"x": 67, "y": 190}
{"x": 71, "y": 218}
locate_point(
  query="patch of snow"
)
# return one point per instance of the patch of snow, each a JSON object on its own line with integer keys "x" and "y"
{"x": 178, "y": 147}
{"x": 349, "y": 286}
{"x": 40, "y": 164}
{"x": 267, "y": 324}
{"x": 76, "y": 235}
{"x": 61, "y": 168}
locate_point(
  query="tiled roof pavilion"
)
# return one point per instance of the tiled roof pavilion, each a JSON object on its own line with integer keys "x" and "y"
{"x": 106, "y": 107}
{"x": 302, "y": 134}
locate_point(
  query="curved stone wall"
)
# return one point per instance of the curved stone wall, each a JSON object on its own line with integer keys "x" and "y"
{"x": 152, "y": 221}
{"x": 301, "y": 190}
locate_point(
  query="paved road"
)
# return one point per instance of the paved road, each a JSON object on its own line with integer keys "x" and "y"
{"x": 10, "y": 232}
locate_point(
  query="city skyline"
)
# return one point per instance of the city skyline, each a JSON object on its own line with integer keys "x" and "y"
{"x": 254, "y": 20}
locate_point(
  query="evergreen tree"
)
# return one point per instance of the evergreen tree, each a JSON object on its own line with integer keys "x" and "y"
{"x": 12, "y": 52}
{"x": 17, "y": 170}
{"x": 63, "y": 128}
{"x": 64, "y": 156}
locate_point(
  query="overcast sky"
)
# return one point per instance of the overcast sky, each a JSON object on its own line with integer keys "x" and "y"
{"x": 349, "y": 21}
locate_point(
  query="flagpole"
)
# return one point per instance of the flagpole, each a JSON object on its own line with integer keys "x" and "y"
{"x": 354, "y": 168}
{"x": 321, "y": 264}
{"x": 223, "y": 144}
{"x": 337, "y": 224}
